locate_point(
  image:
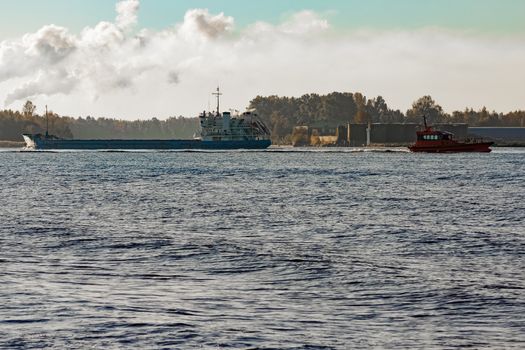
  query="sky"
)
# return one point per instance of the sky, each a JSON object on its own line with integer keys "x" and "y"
{"x": 157, "y": 58}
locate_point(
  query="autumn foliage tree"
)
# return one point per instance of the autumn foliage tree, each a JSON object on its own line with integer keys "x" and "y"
{"x": 426, "y": 106}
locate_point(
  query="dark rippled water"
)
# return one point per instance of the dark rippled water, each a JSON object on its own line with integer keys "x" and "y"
{"x": 262, "y": 250}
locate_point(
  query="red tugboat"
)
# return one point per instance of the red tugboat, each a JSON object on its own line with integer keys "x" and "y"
{"x": 435, "y": 141}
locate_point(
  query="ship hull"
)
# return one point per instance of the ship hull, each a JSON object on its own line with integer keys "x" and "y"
{"x": 59, "y": 144}
{"x": 482, "y": 147}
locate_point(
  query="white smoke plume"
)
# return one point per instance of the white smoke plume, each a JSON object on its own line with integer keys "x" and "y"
{"x": 118, "y": 69}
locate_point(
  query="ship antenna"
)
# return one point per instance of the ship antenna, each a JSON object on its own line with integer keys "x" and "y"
{"x": 425, "y": 121}
{"x": 47, "y": 124}
{"x": 218, "y": 94}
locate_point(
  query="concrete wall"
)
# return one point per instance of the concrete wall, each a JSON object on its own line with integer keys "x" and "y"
{"x": 515, "y": 134}
{"x": 357, "y": 135}
{"x": 382, "y": 134}
{"x": 393, "y": 133}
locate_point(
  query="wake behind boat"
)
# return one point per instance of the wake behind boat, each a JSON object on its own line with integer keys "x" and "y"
{"x": 218, "y": 131}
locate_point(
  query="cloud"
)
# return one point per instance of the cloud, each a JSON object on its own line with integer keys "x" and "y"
{"x": 104, "y": 35}
{"x": 127, "y": 13}
{"x": 305, "y": 22}
{"x": 53, "y": 61}
{"x": 47, "y": 47}
{"x": 127, "y": 68}
{"x": 200, "y": 24}
{"x": 51, "y": 42}
{"x": 50, "y": 82}
{"x": 173, "y": 77}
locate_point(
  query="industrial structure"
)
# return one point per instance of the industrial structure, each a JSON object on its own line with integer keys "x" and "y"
{"x": 359, "y": 135}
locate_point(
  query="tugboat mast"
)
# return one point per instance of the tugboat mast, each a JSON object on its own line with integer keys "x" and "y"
{"x": 218, "y": 94}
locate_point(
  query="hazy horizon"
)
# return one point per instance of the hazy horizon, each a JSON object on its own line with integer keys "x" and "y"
{"x": 141, "y": 59}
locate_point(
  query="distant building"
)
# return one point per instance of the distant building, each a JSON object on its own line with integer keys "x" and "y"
{"x": 358, "y": 135}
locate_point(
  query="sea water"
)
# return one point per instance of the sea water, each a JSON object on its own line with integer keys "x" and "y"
{"x": 280, "y": 249}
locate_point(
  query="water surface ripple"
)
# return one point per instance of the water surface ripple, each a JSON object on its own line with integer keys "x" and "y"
{"x": 262, "y": 250}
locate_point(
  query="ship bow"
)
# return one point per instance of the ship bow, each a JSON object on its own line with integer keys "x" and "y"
{"x": 30, "y": 141}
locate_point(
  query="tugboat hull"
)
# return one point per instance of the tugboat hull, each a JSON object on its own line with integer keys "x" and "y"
{"x": 482, "y": 147}
{"x": 436, "y": 141}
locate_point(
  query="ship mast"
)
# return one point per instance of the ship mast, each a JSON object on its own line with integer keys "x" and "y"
{"x": 218, "y": 94}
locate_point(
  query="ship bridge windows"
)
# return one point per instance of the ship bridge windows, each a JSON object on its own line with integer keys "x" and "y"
{"x": 433, "y": 137}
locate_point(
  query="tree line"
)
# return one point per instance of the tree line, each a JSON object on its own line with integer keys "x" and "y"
{"x": 281, "y": 114}
{"x": 14, "y": 123}
{"x": 331, "y": 110}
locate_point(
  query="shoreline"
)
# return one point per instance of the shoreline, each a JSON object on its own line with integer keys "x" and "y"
{"x": 21, "y": 144}
{"x": 12, "y": 144}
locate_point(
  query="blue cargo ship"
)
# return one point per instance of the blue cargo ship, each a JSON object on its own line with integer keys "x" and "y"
{"x": 219, "y": 131}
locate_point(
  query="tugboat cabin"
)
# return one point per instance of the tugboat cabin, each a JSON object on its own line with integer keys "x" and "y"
{"x": 432, "y": 135}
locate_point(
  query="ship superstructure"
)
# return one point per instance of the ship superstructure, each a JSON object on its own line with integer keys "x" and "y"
{"x": 225, "y": 127}
{"x": 228, "y": 127}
